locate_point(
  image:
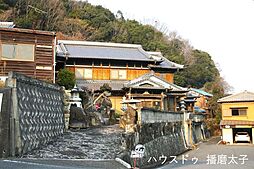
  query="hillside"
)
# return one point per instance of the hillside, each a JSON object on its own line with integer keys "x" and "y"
{"x": 83, "y": 21}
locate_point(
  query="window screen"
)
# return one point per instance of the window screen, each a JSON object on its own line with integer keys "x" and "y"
{"x": 114, "y": 74}
{"x": 79, "y": 73}
{"x": 88, "y": 74}
{"x": 239, "y": 112}
{"x": 122, "y": 74}
{"x": 21, "y": 52}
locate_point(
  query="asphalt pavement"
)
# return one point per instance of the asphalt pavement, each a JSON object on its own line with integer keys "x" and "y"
{"x": 210, "y": 155}
{"x": 59, "y": 164}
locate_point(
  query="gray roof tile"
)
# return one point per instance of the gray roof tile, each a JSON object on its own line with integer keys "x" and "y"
{"x": 102, "y": 50}
{"x": 96, "y": 84}
{"x": 239, "y": 97}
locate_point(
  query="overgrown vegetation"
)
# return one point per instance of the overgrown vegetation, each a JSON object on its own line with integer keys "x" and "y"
{"x": 83, "y": 21}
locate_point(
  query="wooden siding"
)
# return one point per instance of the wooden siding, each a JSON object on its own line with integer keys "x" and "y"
{"x": 169, "y": 77}
{"x": 103, "y": 73}
{"x": 42, "y": 66}
{"x": 116, "y": 104}
{"x": 135, "y": 73}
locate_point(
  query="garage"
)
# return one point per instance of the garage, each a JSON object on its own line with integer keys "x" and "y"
{"x": 241, "y": 135}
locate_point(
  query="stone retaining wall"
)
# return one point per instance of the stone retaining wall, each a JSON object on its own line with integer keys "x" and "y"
{"x": 37, "y": 113}
{"x": 163, "y": 139}
{"x": 149, "y": 115}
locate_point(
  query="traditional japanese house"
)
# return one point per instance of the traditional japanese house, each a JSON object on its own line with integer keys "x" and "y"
{"x": 155, "y": 92}
{"x": 202, "y": 98}
{"x": 29, "y": 52}
{"x": 97, "y": 63}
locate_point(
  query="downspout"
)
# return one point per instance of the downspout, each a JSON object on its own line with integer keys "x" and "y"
{"x": 54, "y": 62}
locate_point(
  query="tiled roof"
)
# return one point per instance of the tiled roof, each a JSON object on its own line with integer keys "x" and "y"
{"x": 32, "y": 31}
{"x": 165, "y": 63}
{"x": 117, "y": 85}
{"x": 96, "y": 84}
{"x": 236, "y": 122}
{"x": 102, "y": 50}
{"x": 155, "y": 82}
{"x": 239, "y": 97}
{"x": 113, "y": 51}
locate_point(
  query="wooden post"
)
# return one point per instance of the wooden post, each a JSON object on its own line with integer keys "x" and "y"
{"x": 162, "y": 100}
{"x": 15, "y": 137}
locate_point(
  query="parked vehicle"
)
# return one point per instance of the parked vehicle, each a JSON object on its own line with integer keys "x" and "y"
{"x": 242, "y": 136}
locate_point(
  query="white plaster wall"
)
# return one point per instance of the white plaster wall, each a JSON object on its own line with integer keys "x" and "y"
{"x": 227, "y": 135}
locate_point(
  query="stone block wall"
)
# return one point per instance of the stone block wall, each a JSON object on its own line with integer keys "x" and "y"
{"x": 149, "y": 115}
{"x": 160, "y": 139}
{"x": 37, "y": 112}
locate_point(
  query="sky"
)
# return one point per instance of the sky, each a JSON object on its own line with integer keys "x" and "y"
{"x": 223, "y": 28}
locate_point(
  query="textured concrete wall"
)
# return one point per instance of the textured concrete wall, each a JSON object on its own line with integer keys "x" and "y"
{"x": 37, "y": 111}
{"x": 156, "y": 116}
{"x": 5, "y": 109}
{"x": 159, "y": 139}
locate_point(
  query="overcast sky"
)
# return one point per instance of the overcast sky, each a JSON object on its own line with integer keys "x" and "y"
{"x": 223, "y": 28}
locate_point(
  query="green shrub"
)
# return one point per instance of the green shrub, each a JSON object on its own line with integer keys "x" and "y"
{"x": 66, "y": 78}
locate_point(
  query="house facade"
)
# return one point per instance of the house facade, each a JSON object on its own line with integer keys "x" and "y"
{"x": 29, "y": 52}
{"x": 155, "y": 92}
{"x": 116, "y": 64}
{"x": 237, "y": 115}
{"x": 202, "y": 98}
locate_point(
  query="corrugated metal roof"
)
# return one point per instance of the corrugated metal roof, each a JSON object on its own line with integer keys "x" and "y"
{"x": 236, "y": 122}
{"x": 102, "y": 50}
{"x": 239, "y": 97}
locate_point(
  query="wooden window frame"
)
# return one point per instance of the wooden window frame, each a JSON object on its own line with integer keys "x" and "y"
{"x": 117, "y": 74}
{"x": 83, "y": 73}
{"x": 239, "y": 111}
{"x": 18, "y": 52}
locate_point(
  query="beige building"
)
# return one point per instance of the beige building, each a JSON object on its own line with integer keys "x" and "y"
{"x": 237, "y": 116}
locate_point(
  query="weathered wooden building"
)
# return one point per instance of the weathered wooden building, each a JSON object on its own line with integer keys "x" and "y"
{"x": 97, "y": 63}
{"x": 29, "y": 52}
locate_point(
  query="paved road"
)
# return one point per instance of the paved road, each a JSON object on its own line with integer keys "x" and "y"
{"x": 209, "y": 155}
{"x": 59, "y": 164}
{"x": 92, "y": 148}
{"x": 92, "y": 143}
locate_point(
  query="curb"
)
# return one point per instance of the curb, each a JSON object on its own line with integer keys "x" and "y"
{"x": 122, "y": 162}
